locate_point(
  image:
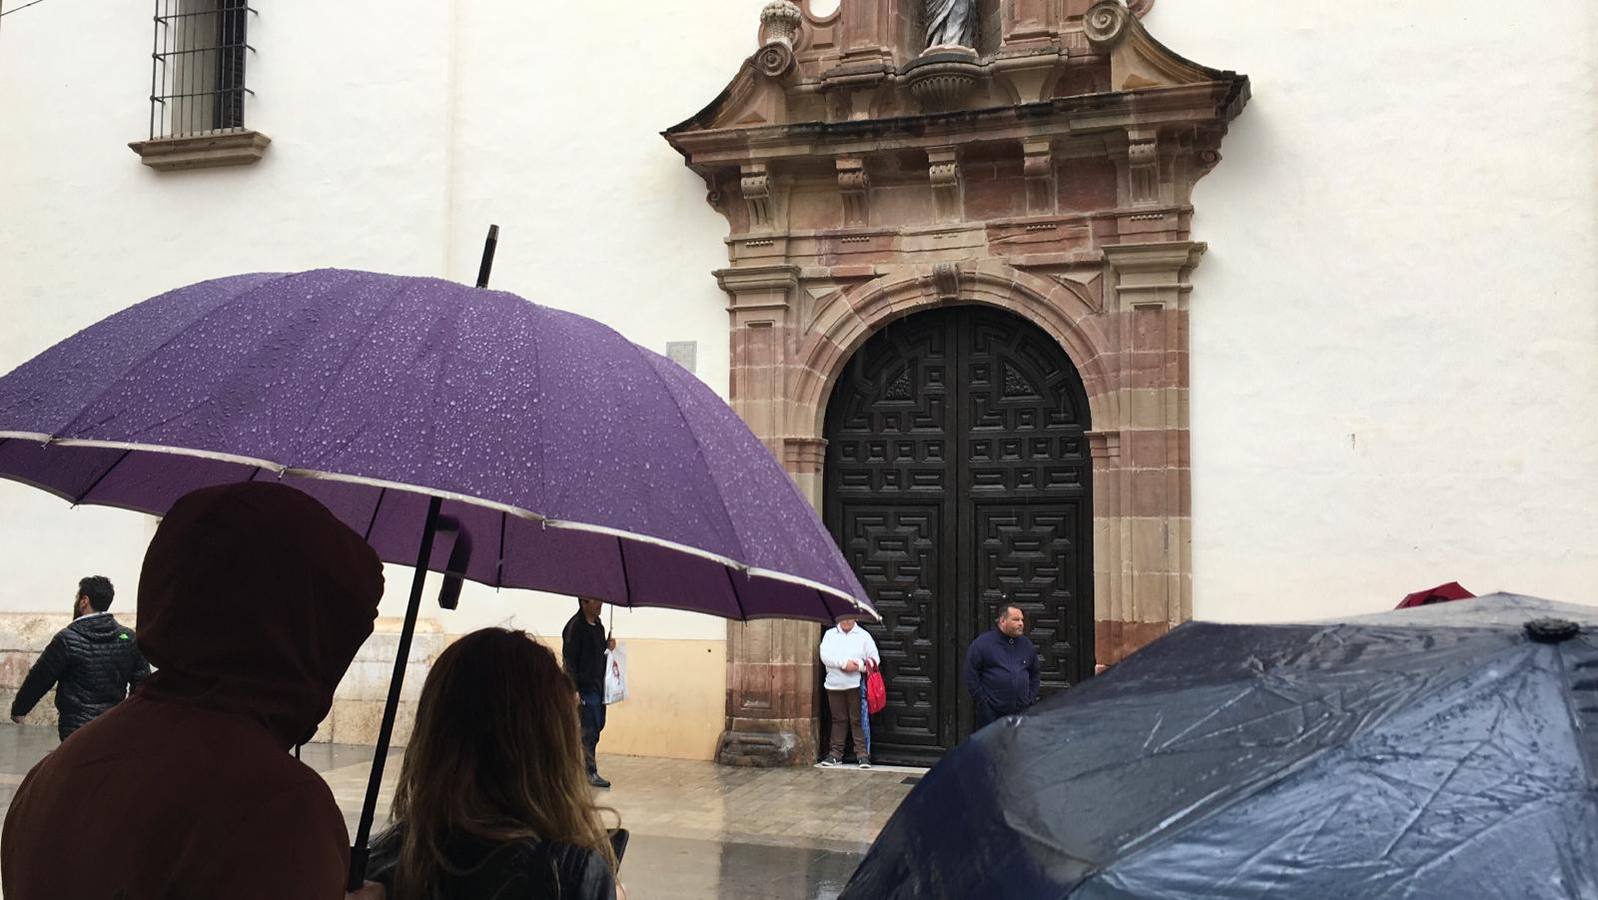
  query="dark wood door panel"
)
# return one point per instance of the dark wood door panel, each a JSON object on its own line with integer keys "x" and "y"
{"x": 1030, "y": 555}
{"x": 957, "y": 478}
{"x": 895, "y": 549}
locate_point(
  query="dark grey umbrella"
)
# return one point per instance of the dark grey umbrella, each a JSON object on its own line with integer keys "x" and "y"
{"x": 1448, "y": 751}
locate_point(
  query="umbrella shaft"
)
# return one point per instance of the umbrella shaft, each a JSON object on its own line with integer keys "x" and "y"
{"x": 358, "y": 852}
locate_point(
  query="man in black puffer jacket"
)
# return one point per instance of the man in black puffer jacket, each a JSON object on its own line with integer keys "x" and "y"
{"x": 94, "y": 663}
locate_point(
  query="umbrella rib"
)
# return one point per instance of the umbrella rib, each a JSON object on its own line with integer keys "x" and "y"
{"x": 732, "y": 582}
{"x": 499, "y": 569}
{"x": 372, "y": 522}
{"x": 349, "y": 359}
{"x": 190, "y": 326}
{"x": 649, "y": 358}
{"x": 742, "y": 560}
{"x": 101, "y": 477}
{"x": 626, "y": 581}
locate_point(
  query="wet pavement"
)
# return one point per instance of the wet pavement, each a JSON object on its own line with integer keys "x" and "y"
{"x": 699, "y": 830}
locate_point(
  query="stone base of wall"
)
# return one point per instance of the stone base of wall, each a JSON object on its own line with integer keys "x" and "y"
{"x": 769, "y": 743}
{"x": 1115, "y": 641}
{"x": 676, "y": 708}
{"x": 357, "y": 711}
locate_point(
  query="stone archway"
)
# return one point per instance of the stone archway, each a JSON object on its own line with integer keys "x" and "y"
{"x": 1063, "y": 309}
{"x": 958, "y": 479}
{"x": 1049, "y": 172}
{"x": 1124, "y": 329}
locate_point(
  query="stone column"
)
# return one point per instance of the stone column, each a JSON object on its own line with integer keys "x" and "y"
{"x": 873, "y": 30}
{"x": 1026, "y": 21}
{"x": 771, "y": 677}
{"x": 1142, "y": 474}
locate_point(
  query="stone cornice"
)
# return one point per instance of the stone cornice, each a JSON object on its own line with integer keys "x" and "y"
{"x": 1168, "y": 256}
{"x": 758, "y": 287}
{"x": 1207, "y": 105}
{"x": 756, "y": 278}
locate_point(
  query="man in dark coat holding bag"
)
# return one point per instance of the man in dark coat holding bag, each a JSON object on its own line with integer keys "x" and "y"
{"x": 582, "y": 653}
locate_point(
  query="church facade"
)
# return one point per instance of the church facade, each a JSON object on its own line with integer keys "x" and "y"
{"x": 1129, "y": 313}
{"x": 960, "y": 248}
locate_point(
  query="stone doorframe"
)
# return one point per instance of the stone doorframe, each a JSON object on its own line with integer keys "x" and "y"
{"x": 1131, "y": 351}
{"x": 1050, "y": 177}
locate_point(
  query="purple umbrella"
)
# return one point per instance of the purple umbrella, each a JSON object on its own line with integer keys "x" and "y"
{"x": 580, "y": 462}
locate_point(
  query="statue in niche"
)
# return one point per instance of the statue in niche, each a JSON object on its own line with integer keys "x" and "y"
{"x": 951, "y": 23}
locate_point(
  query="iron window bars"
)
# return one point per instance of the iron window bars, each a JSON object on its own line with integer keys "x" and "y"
{"x": 197, "y": 69}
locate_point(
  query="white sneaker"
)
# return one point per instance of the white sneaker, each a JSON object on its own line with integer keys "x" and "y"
{"x": 865, "y": 763}
{"x": 831, "y": 762}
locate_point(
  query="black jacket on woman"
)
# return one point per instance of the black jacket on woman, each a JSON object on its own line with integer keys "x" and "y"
{"x": 513, "y": 870}
{"x": 93, "y": 664}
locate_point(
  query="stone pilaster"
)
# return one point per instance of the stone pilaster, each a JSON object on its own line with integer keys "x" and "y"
{"x": 877, "y": 32}
{"x": 1142, "y": 469}
{"x": 771, "y": 690}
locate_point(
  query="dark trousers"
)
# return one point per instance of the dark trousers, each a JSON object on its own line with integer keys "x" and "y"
{"x": 592, "y": 716}
{"x": 844, "y": 706}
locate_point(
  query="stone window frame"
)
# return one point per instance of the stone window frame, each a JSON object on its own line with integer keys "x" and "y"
{"x": 186, "y": 59}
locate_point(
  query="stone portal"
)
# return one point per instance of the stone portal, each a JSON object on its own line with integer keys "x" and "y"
{"x": 1048, "y": 172}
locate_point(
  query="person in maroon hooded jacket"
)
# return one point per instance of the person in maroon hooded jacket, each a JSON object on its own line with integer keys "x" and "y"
{"x": 252, "y": 603}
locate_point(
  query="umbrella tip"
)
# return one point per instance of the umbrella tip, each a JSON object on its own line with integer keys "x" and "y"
{"x": 1551, "y": 631}
{"x": 487, "y": 265}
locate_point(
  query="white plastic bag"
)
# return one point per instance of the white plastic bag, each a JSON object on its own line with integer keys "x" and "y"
{"x": 616, "y": 674}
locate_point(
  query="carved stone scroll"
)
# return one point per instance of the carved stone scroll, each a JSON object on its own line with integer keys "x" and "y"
{"x": 756, "y": 186}
{"x": 943, "y": 170}
{"x": 1038, "y": 166}
{"x": 1143, "y": 168}
{"x": 855, "y": 185}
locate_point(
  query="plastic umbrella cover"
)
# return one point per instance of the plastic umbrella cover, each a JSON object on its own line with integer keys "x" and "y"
{"x": 1436, "y": 753}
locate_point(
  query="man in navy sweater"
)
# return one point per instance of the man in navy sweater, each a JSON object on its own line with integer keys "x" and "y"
{"x": 1001, "y": 668}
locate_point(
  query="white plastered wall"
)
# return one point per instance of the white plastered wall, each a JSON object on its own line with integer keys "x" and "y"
{"x": 397, "y": 139}
{"x": 1395, "y": 330}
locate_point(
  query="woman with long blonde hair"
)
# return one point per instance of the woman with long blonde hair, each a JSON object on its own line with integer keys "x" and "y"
{"x": 493, "y": 798}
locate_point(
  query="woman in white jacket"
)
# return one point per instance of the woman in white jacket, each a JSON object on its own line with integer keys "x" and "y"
{"x": 847, "y": 651}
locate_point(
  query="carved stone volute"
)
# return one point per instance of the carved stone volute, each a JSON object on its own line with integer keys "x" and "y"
{"x": 1106, "y": 24}
{"x": 779, "y": 31}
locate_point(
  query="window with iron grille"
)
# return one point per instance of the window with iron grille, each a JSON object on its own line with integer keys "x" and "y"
{"x": 197, "y": 82}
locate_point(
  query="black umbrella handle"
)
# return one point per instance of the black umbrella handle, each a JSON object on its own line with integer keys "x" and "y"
{"x": 363, "y": 833}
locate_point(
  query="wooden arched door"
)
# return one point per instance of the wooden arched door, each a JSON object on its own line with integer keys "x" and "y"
{"x": 957, "y": 478}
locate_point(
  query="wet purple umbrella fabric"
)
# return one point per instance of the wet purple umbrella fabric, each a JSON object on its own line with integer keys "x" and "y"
{"x": 546, "y": 450}
{"x": 572, "y": 460}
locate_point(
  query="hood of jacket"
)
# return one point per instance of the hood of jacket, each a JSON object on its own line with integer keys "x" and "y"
{"x": 253, "y": 600}
{"x": 98, "y": 628}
